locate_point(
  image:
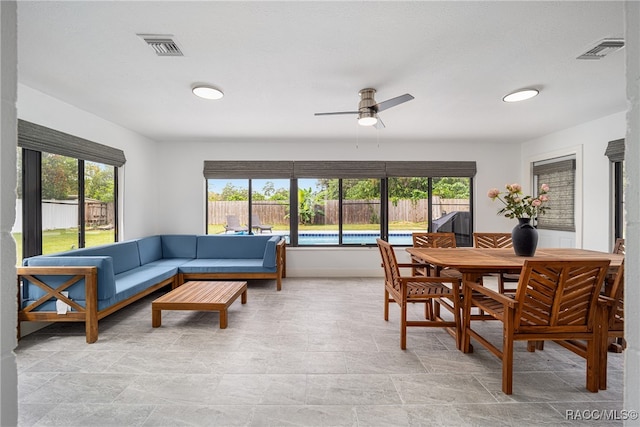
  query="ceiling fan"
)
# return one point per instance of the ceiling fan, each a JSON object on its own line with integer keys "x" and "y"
{"x": 368, "y": 108}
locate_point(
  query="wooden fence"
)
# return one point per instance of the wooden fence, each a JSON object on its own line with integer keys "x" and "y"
{"x": 355, "y": 211}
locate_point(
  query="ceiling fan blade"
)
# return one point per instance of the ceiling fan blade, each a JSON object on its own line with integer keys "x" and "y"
{"x": 381, "y": 106}
{"x": 379, "y": 125}
{"x": 336, "y": 113}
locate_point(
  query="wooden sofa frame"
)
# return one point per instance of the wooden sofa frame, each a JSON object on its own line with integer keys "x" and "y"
{"x": 90, "y": 314}
{"x": 281, "y": 264}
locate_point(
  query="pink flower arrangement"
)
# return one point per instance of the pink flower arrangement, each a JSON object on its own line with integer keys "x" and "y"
{"x": 518, "y": 206}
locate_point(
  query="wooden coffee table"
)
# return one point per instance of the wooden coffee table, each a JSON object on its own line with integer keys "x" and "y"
{"x": 204, "y": 296}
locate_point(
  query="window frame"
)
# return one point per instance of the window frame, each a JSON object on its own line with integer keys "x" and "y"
{"x": 33, "y": 140}
{"x": 615, "y": 151}
{"x": 295, "y": 170}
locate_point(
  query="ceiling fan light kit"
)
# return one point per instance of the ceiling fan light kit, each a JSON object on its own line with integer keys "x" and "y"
{"x": 367, "y": 118}
{"x": 368, "y": 108}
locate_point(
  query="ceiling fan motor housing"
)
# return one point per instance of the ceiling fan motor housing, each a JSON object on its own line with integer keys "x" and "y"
{"x": 367, "y": 103}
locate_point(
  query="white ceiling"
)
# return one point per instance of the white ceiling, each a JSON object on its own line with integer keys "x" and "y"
{"x": 280, "y": 62}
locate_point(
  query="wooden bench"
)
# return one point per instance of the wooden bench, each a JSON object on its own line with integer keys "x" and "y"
{"x": 203, "y": 296}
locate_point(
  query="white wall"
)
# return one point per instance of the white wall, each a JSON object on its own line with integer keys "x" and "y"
{"x": 138, "y": 190}
{"x": 589, "y": 140}
{"x": 182, "y": 206}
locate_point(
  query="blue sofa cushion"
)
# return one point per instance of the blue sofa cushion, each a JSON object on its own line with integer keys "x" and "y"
{"x": 150, "y": 249}
{"x": 231, "y": 246}
{"x": 269, "y": 258}
{"x": 226, "y": 265}
{"x": 125, "y": 254}
{"x": 169, "y": 262}
{"x": 133, "y": 282}
{"x": 178, "y": 246}
{"x": 106, "y": 283}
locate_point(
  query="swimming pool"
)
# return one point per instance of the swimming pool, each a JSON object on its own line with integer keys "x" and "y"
{"x": 352, "y": 238}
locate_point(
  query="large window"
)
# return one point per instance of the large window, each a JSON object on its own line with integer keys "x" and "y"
{"x": 59, "y": 203}
{"x": 342, "y": 203}
{"x": 99, "y": 203}
{"x": 67, "y": 192}
{"x": 229, "y": 202}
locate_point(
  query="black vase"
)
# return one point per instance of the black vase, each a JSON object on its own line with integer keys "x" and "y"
{"x": 524, "y": 237}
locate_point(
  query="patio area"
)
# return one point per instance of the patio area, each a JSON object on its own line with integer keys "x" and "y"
{"x": 317, "y": 353}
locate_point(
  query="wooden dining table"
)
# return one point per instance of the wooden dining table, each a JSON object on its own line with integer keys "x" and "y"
{"x": 474, "y": 263}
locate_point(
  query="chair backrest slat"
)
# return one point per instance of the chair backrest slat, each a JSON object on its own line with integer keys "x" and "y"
{"x": 559, "y": 294}
{"x": 390, "y": 264}
{"x": 434, "y": 240}
{"x": 492, "y": 240}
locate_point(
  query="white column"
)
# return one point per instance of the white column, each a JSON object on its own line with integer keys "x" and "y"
{"x": 8, "y": 140}
{"x": 632, "y": 205}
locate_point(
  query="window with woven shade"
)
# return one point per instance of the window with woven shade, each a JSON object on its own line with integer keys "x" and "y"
{"x": 560, "y": 175}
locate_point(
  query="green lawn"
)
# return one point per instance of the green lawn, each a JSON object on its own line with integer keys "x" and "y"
{"x": 61, "y": 240}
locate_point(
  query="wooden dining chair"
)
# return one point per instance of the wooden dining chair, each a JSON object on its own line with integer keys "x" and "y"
{"x": 612, "y": 326}
{"x": 619, "y": 247}
{"x": 618, "y": 344}
{"x": 497, "y": 240}
{"x": 555, "y": 300}
{"x": 613, "y": 334}
{"x": 421, "y": 289}
{"x": 432, "y": 240}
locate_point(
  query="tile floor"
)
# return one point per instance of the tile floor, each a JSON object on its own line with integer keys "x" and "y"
{"x": 318, "y": 353}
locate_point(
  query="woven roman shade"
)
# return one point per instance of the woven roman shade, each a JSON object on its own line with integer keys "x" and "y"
{"x": 338, "y": 169}
{"x": 247, "y": 169}
{"x": 335, "y": 169}
{"x": 43, "y": 139}
{"x": 431, "y": 169}
{"x": 615, "y": 150}
{"x": 560, "y": 175}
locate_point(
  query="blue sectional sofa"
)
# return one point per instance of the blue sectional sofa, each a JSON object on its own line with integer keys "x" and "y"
{"x": 100, "y": 280}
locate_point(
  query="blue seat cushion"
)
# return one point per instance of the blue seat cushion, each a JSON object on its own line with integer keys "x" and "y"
{"x": 168, "y": 262}
{"x": 226, "y": 265}
{"x": 133, "y": 282}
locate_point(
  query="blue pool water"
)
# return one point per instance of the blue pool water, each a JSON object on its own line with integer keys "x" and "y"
{"x": 362, "y": 238}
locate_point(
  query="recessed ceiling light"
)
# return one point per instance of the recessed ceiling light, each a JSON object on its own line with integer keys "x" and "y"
{"x": 207, "y": 92}
{"x": 521, "y": 95}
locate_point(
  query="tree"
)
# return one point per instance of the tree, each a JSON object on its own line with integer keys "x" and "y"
{"x": 451, "y": 188}
{"x": 268, "y": 189}
{"x": 99, "y": 183}
{"x": 231, "y": 192}
{"x": 308, "y": 206}
{"x": 59, "y": 177}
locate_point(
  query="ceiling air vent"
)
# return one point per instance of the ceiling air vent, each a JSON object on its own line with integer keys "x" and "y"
{"x": 162, "y": 45}
{"x": 604, "y": 48}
